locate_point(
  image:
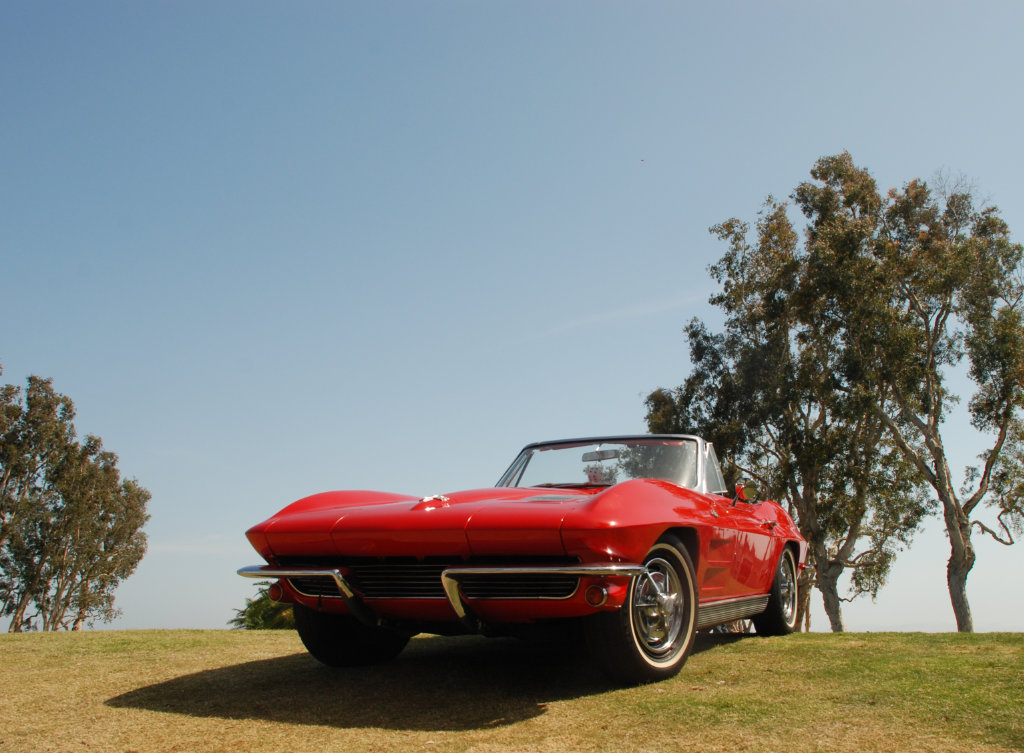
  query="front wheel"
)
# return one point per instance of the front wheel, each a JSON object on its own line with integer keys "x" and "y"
{"x": 339, "y": 640}
{"x": 780, "y": 616}
{"x": 649, "y": 638}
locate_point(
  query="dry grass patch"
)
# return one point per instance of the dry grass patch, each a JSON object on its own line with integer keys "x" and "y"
{"x": 259, "y": 691}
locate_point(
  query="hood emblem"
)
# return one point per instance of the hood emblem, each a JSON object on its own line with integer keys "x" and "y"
{"x": 433, "y": 502}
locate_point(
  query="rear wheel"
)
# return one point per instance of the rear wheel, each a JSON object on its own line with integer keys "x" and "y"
{"x": 649, "y": 638}
{"x": 340, "y": 640}
{"x": 780, "y": 616}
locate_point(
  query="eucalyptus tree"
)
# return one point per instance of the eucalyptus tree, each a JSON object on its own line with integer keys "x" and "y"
{"x": 70, "y": 526}
{"x": 934, "y": 290}
{"x": 767, "y": 391}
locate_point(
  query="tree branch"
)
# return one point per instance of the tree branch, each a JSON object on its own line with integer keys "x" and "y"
{"x": 1008, "y": 541}
{"x": 908, "y": 451}
{"x": 990, "y": 461}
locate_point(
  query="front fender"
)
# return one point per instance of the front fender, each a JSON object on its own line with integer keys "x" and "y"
{"x": 624, "y": 522}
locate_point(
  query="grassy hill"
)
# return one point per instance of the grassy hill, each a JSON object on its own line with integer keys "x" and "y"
{"x": 259, "y": 691}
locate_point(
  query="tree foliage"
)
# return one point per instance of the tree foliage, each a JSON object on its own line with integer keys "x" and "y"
{"x": 767, "y": 392}
{"x": 831, "y": 379}
{"x": 263, "y": 613}
{"x": 70, "y": 526}
{"x": 935, "y": 290}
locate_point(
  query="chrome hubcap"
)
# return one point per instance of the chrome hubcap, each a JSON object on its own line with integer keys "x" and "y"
{"x": 658, "y": 607}
{"x": 787, "y": 587}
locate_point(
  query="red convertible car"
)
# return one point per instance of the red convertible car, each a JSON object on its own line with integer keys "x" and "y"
{"x": 635, "y": 539}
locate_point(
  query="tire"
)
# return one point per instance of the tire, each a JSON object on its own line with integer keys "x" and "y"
{"x": 649, "y": 638}
{"x": 339, "y": 640}
{"x": 780, "y": 616}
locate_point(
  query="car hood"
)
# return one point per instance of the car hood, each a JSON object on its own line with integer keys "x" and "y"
{"x": 480, "y": 522}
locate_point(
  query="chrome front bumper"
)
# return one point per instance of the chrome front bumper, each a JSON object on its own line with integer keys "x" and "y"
{"x": 449, "y": 581}
{"x": 356, "y": 606}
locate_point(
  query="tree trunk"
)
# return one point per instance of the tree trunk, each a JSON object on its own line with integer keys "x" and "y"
{"x": 805, "y": 584}
{"x": 956, "y": 579}
{"x": 18, "y": 618}
{"x": 827, "y": 572}
{"x": 961, "y": 560}
{"x": 959, "y": 567}
{"x": 828, "y": 584}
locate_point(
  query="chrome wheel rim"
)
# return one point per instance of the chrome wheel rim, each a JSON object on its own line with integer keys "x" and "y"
{"x": 658, "y": 609}
{"x": 787, "y": 587}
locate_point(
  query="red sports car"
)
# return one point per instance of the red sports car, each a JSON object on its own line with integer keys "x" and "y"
{"x": 636, "y": 539}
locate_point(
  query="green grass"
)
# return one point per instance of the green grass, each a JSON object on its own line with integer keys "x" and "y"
{"x": 258, "y": 691}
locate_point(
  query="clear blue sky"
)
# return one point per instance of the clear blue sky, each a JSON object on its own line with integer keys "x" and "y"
{"x": 271, "y": 249}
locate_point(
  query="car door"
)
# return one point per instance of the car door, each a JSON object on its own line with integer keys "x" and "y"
{"x": 742, "y": 535}
{"x": 751, "y": 546}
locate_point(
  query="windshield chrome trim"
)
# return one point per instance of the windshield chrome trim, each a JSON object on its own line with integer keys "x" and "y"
{"x": 513, "y": 474}
{"x": 610, "y": 438}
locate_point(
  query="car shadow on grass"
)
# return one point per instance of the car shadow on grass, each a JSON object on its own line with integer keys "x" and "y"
{"x": 436, "y": 684}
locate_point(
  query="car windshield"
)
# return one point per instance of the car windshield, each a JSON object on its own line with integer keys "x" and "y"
{"x": 603, "y": 463}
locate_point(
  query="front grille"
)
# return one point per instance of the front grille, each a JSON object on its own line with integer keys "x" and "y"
{"x": 518, "y": 586}
{"x": 315, "y": 586}
{"x": 385, "y": 580}
{"x": 414, "y": 579}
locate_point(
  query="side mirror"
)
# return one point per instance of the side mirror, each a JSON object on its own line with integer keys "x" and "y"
{"x": 747, "y": 491}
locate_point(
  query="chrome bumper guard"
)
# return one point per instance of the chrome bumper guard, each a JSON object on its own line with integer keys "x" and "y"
{"x": 449, "y": 581}
{"x": 355, "y": 605}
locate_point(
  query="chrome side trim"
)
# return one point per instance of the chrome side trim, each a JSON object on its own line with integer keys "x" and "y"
{"x": 450, "y": 578}
{"x": 356, "y": 606}
{"x": 727, "y": 610}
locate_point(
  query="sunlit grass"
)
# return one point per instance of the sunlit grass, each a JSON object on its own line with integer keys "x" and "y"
{"x": 258, "y": 691}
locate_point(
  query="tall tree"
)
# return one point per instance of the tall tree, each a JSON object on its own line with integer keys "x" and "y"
{"x": 766, "y": 391}
{"x": 70, "y": 526}
{"x": 935, "y": 288}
